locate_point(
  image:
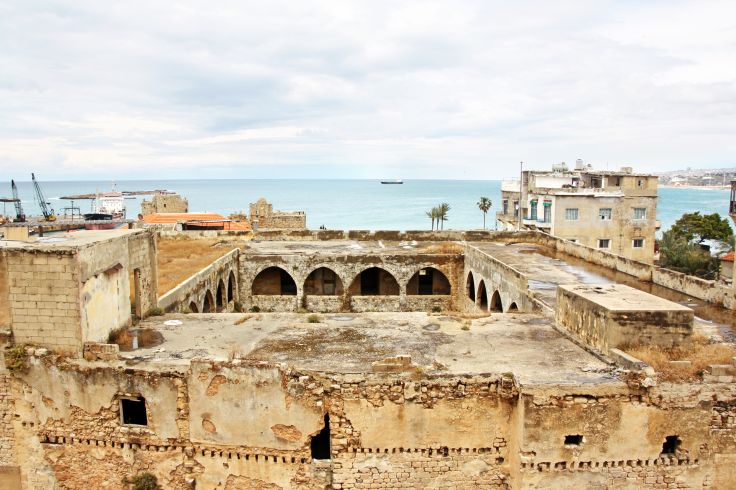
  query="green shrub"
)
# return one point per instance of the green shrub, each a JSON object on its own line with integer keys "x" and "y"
{"x": 436, "y": 309}
{"x": 255, "y": 309}
{"x": 155, "y": 312}
{"x": 16, "y": 359}
{"x": 314, "y": 318}
{"x": 145, "y": 481}
{"x": 237, "y": 307}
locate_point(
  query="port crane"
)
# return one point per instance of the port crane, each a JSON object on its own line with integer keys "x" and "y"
{"x": 48, "y": 212}
{"x": 19, "y": 214}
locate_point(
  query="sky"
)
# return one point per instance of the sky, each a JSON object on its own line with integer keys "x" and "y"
{"x": 371, "y": 89}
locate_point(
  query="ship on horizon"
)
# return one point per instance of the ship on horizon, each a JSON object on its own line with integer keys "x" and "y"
{"x": 395, "y": 181}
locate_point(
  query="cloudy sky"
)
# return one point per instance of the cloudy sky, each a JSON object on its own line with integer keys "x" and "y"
{"x": 457, "y": 89}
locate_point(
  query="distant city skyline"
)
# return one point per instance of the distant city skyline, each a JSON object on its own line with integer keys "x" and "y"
{"x": 334, "y": 89}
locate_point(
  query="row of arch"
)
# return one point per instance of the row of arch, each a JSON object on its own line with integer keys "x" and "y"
{"x": 373, "y": 281}
{"x": 224, "y": 294}
{"x": 479, "y": 296}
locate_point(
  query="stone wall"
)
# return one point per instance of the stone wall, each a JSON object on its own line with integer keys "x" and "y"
{"x": 165, "y": 203}
{"x": 347, "y": 268}
{"x": 142, "y": 251}
{"x": 263, "y": 216}
{"x": 511, "y": 285}
{"x": 245, "y": 424}
{"x": 222, "y": 274}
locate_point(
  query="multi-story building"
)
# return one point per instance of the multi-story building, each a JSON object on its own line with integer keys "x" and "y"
{"x": 613, "y": 211}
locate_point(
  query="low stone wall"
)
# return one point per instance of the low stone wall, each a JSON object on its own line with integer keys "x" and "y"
{"x": 511, "y": 284}
{"x": 266, "y": 302}
{"x": 196, "y": 286}
{"x": 360, "y": 304}
{"x": 710, "y": 291}
{"x": 393, "y": 235}
{"x": 428, "y": 302}
{"x": 324, "y": 304}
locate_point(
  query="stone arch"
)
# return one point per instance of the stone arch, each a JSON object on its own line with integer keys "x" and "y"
{"x": 482, "y": 295}
{"x": 220, "y": 297}
{"x": 230, "y": 287}
{"x": 496, "y": 303}
{"x": 428, "y": 281}
{"x": 374, "y": 281}
{"x": 323, "y": 281}
{"x": 209, "y": 302}
{"x": 193, "y": 307}
{"x": 274, "y": 281}
{"x": 513, "y": 308}
{"x": 470, "y": 287}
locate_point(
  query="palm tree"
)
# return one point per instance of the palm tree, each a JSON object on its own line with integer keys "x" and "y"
{"x": 484, "y": 205}
{"x": 442, "y": 210}
{"x": 432, "y": 215}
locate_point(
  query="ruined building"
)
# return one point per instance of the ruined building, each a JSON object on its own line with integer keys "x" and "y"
{"x": 169, "y": 202}
{"x": 262, "y": 216}
{"x": 350, "y": 360}
{"x": 613, "y": 211}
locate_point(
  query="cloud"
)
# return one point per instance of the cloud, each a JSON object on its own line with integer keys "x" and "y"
{"x": 419, "y": 89}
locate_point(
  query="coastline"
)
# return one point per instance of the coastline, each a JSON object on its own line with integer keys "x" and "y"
{"x": 695, "y": 187}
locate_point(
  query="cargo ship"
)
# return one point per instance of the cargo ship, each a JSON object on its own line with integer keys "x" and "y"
{"x": 395, "y": 181}
{"x": 107, "y": 206}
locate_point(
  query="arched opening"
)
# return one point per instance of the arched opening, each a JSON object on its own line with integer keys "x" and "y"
{"x": 374, "y": 282}
{"x": 231, "y": 287}
{"x": 220, "y": 298}
{"x": 496, "y": 304}
{"x": 428, "y": 281}
{"x": 470, "y": 287}
{"x": 323, "y": 282}
{"x": 209, "y": 302}
{"x": 513, "y": 308}
{"x": 274, "y": 281}
{"x": 193, "y": 307}
{"x": 482, "y": 296}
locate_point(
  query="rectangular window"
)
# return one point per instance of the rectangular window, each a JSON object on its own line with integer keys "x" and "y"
{"x": 533, "y": 210}
{"x": 133, "y": 410}
{"x": 516, "y": 209}
{"x": 505, "y": 206}
{"x": 637, "y": 243}
{"x": 547, "y": 211}
{"x": 604, "y": 213}
{"x": 640, "y": 213}
{"x": 604, "y": 243}
{"x": 571, "y": 214}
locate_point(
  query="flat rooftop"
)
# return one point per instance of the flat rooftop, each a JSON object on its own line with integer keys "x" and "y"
{"x": 352, "y": 247}
{"x": 524, "y": 344}
{"x": 619, "y": 297}
{"x": 67, "y": 240}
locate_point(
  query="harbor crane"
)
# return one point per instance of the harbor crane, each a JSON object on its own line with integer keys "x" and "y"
{"x": 48, "y": 212}
{"x": 20, "y": 216}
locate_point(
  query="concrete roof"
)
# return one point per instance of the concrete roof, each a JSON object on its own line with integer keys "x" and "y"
{"x": 351, "y": 247}
{"x": 69, "y": 240}
{"x": 525, "y": 344}
{"x": 620, "y": 297}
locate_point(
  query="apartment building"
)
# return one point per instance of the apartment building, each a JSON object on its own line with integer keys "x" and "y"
{"x": 611, "y": 210}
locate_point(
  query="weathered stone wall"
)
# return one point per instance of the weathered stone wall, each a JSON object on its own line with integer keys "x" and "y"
{"x": 44, "y": 298}
{"x": 221, "y": 275}
{"x": 142, "y": 250}
{"x": 511, "y": 285}
{"x": 5, "y": 316}
{"x": 165, "y": 203}
{"x": 248, "y": 425}
{"x": 347, "y": 268}
{"x": 262, "y": 214}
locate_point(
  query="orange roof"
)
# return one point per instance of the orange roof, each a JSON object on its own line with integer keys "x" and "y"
{"x": 173, "y": 218}
{"x": 727, "y": 257}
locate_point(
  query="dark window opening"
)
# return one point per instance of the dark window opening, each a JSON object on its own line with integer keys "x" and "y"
{"x": 513, "y": 307}
{"x": 320, "y": 444}
{"x": 671, "y": 445}
{"x": 230, "y": 288}
{"x": 274, "y": 281}
{"x": 369, "y": 284}
{"x": 483, "y": 295}
{"x": 426, "y": 281}
{"x": 573, "y": 440}
{"x": 208, "y": 300}
{"x": 133, "y": 411}
{"x": 193, "y": 307}
{"x": 220, "y": 298}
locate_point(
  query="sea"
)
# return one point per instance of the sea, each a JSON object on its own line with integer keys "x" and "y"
{"x": 343, "y": 204}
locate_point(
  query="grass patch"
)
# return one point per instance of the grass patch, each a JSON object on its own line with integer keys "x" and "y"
{"x": 180, "y": 257}
{"x": 147, "y": 337}
{"x": 700, "y": 353}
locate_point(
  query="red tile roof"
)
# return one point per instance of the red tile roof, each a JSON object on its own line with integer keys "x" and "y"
{"x": 214, "y": 218}
{"x": 727, "y": 257}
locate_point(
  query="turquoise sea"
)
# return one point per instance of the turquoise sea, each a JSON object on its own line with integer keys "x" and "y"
{"x": 347, "y": 204}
